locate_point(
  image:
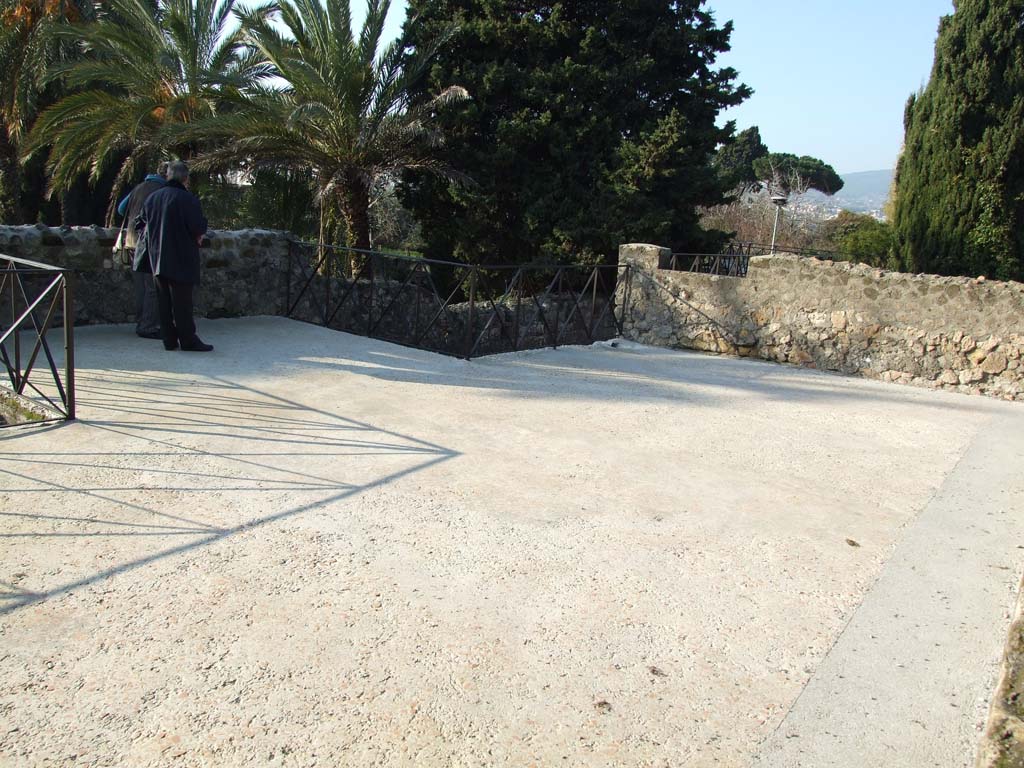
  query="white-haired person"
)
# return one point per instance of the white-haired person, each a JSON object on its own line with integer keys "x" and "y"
{"x": 175, "y": 226}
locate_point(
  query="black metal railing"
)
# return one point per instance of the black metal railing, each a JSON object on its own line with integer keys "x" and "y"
{"x": 734, "y": 259}
{"x": 760, "y": 249}
{"x": 37, "y": 295}
{"x": 450, "y": 307}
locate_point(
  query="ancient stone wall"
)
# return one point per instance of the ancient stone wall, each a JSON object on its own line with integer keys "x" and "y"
{"x": 250, "y": 273}
{"x": 938, "y": 332}
{"x": 243, "y": 272}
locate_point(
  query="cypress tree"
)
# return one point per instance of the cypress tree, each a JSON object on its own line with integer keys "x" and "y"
{"x": 588, "y": 124}
{"x": 959, "y": 192}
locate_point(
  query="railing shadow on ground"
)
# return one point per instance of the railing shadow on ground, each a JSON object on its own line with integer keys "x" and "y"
{"x": 151, "y": 444}
{"x": 266, "y": 455}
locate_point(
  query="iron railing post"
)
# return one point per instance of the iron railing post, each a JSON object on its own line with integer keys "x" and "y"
{"x": 69, "y": 345}
{"x": 16, "y": 278}
{"x": 369, "y": 311}
{"x": 325, "y": 267}
{"x": 417, "y": 290}
{"x": 472, "y": 311}
{"x": 519, "y": 307}
{"x": 558, "y": 308}
{"x": 288, "y": 278}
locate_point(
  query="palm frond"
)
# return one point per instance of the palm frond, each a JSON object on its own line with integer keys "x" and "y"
{"x": 147, "y": 64}
{"x": 341, "y": 112}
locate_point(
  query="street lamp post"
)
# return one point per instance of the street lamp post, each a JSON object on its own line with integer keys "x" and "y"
{"x": 780, "y": 203}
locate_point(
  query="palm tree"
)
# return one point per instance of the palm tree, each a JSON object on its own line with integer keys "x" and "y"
{"x": 334, "y": 107}
{"x": 28, "y": 49}
{"x": 149, "y": 65}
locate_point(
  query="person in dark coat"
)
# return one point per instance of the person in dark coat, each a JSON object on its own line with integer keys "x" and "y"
{"x": 175, "y": 225}
{"x": 147, "y": 312}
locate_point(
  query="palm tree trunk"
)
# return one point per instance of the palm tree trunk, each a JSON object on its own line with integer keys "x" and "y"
{"x": 355, "y": 207}
{"x": 354, "y": 201}
{"x": 10, "y": 181}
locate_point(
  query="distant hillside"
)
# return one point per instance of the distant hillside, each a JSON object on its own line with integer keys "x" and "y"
{"x": 864, "y": 192}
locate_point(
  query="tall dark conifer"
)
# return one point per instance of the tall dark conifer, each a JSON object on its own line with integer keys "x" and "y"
{"x": 589, "y": 124}
{"x": 959, "y": 189}
{"x": 735, "y": 160}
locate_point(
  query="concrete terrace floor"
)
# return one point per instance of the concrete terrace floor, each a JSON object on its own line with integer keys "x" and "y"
{"x": 310, "y": 548}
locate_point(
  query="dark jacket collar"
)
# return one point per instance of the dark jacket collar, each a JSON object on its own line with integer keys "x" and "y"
{"x": 176, "y": 184}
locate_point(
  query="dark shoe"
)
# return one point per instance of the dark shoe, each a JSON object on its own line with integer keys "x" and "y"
{"x": 149, "y": 334}
{"x": 171, "y": 345}
{"x": 197, "y": 345}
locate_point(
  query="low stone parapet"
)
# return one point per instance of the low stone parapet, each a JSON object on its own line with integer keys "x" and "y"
{"x": 259, "y": 272}
{"x": 243, "y": 272}
{"x": 937, "y": 332}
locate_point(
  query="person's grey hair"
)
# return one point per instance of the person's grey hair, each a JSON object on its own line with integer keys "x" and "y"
{"x": 177, "y": 171}
{"x": 161, "y": 170}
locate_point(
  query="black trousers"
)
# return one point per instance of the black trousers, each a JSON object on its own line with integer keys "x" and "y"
{"x": 147, "y": 305}
{"x": 176, "y": 321}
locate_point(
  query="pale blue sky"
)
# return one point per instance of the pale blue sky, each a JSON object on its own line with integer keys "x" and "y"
{"x": 830, "y": 77}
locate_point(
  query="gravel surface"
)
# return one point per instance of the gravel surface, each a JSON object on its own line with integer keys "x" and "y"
{"x": 309, "y": 548}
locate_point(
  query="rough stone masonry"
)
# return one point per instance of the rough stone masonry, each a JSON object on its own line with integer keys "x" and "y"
{"x": 259, "y": 272}
{"x": 244, "y": 272}
{"x": 938, "y": 332}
